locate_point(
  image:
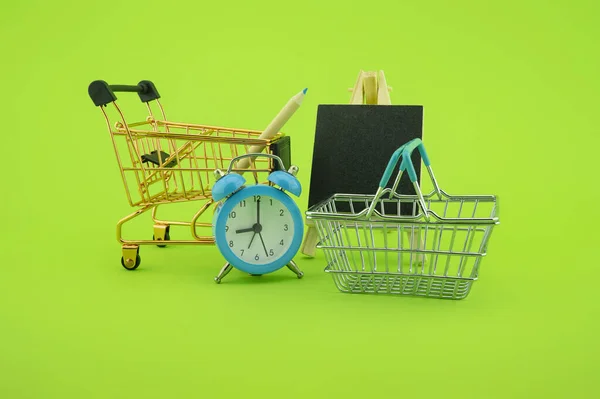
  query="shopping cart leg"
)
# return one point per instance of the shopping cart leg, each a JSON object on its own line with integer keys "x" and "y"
{"x": 293, "y": 267}
{"x": 226, "y": 269}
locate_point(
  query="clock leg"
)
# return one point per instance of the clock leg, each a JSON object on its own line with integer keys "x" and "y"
{"x": 293, "y": 267}
{"x": 226, "y": 269}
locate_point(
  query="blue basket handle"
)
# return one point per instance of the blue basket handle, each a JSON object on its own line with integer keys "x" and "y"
{"x": 405, "y": 151}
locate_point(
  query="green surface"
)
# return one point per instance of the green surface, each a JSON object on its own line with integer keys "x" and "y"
{"x": 510, "y": 92}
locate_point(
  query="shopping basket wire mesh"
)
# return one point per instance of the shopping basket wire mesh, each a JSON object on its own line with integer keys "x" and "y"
{"x": 166, "y": 162}
{"x": 434, "y": 251}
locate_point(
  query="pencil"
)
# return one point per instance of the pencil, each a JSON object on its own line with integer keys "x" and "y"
{"x": 274, "y": 127}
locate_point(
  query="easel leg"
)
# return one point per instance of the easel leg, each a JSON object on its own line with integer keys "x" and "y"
{"x": 293, "y": 267}
{"x": 226, "y": 269}
{"x": 309, "y": 245}
{"x": 417, "y": 242}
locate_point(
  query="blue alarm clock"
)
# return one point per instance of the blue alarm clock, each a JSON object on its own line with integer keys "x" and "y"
{"x": 257, "y": 228}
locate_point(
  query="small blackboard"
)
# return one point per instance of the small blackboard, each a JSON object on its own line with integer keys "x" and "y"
{"x": 353, "y": 145}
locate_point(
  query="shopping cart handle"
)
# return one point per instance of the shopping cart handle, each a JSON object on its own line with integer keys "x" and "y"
{"x": 406, "y": 165}
{"x": 102, "y": 93}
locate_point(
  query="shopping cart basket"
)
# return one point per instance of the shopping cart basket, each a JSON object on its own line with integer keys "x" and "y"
{"x": 373, "y": 244}
{"x": 165, "y": 162}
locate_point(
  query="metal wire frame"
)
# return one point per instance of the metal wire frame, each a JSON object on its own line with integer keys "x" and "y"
{"x": 432, "y": 252}
{"x": 187, "y": 156}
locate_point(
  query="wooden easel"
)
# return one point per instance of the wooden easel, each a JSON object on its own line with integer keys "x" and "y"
{"x": 370, "y": 88}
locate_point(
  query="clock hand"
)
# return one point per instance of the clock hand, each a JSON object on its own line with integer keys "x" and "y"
{"x": 258, "y": 212}
{"x": 263, "y": 243}
{"x": 251, "y": 240}
{"x": 245, "y": 230}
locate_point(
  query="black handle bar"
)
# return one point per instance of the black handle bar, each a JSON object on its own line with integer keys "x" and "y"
{"x": 102, "y": 93}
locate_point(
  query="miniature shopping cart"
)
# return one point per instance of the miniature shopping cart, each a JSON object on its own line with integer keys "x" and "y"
{"x": 421, "y": 245}
{"x": 165, "y": 162}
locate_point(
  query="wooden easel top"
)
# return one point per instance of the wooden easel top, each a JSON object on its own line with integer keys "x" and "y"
{"x": 371, "y": 88}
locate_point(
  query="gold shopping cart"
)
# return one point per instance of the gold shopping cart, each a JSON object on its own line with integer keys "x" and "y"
{"x": 164, "y": 162}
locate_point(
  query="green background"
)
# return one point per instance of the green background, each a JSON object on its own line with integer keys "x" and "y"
{"x": 510, "y": 91}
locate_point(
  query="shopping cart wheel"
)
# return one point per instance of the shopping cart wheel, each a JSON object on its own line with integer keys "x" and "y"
{"x": 138, "y": 260}
{"x": 167, "y": 237}
{"x": 127, "y": 260}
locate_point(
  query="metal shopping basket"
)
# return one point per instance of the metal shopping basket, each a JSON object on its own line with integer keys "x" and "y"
{"x": 378, "y": 244}
{"x": 165, "y": 162}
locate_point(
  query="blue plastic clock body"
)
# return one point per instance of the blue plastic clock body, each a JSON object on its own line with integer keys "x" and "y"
{"x": 234, "y": 183}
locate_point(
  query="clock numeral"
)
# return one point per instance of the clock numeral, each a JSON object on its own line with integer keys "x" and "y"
{"x": 232, "y": 215}
{"x": 242, "y": 252}
{"x": 271, "y": 199}
{"x": 256, "y": 257}
{"x": 256, "y": 198}
{"x": 285, "y": 227}
{"x": 281, "y": 242}
{"x": 242, "y": 203}
{"x": 226, "y": 228}
{"x": 271, "y": 252}
{"x": 231, "y": 244}
{"x": 281, "y": 212}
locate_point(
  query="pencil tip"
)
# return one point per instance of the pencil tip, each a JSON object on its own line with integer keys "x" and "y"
{"x": 304, "y": 91}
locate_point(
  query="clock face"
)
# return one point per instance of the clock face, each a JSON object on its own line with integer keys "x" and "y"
{"x": 259, "y": 229}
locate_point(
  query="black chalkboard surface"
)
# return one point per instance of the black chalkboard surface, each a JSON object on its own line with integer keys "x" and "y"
{"x": 353, "y": 145}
